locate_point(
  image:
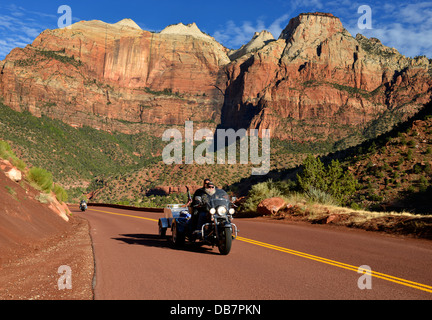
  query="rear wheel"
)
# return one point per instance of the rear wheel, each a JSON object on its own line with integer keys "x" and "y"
{"x": 225, "y": 241}
{"x": 178, "y": 237}
{"x": 162, "y": 231}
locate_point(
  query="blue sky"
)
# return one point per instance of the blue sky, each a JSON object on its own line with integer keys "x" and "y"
{"x": 406, "y": 26}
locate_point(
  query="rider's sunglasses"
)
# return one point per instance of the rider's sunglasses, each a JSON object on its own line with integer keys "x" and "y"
{"x": 210, "y": 187}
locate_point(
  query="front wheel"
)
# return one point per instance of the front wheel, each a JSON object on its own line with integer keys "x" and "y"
{"x": 225, "y": 241}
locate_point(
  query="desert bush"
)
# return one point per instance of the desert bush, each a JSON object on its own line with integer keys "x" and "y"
{"x": 5, "y": 150}
{"x": 7, "y": 154}
{"x": 319, "y": 196}
{"x": 41, "y": 178}
{"x": 258, "y": 193}
{"x": 60, "y": 193}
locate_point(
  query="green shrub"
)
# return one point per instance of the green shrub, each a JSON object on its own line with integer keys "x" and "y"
{"x": 60, "y": 193}
{"x": 258, "y": 193}
{"x": 333, "y": 180}
{"x": 7, "y": 154}
{"x": 418, "y": 168}
{"x": 317, "y": 195}
{"x": 42, "y": 178}
{"x": 313, "y": 174}
{"x": 5, "y": 150}
{"x": 409, "y": 155}
{"x": 411, "y": 189}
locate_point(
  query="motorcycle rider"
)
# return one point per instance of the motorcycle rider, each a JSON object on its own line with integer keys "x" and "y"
{"x": 199, "y": 205}
{"x": 83, "y": 204}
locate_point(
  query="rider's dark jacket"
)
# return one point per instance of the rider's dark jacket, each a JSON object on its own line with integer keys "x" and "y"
{"x": 200, "y": 200}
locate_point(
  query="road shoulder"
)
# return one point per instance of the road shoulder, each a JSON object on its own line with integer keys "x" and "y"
{"x": 42, "y": 272}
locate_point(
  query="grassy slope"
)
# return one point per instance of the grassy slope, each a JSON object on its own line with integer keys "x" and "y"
{"x": 122, "y": 167}
{"x": 74, "y": 155}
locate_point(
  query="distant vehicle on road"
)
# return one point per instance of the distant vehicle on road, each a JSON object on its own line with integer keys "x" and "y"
{"x": 83, "y": 205}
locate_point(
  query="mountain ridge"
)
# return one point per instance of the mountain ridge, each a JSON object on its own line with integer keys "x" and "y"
{"x": 95, "y": 73}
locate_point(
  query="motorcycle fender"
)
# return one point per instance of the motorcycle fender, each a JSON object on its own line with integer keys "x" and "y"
{"x": 165, "y": 223}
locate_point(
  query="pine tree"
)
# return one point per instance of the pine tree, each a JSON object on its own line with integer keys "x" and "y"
{"x": 333, "y": 180}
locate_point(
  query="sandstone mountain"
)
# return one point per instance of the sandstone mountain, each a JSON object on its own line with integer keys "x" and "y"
{"x": 94, "y": 72}
{"x": 316, "y": 82}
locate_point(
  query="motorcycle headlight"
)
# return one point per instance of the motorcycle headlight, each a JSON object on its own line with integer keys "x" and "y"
{"x": 221, "y": 211}
{"x": 231, "y": 211}
{"x": 212, "y": 211}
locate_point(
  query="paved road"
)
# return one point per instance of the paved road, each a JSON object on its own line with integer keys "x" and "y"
{"x": 269, "y": 261}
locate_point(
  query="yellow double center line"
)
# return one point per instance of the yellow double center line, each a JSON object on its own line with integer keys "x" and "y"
{"x": 125, "y": 215}
{"x": 338, "y": 264}
{"x": 375, "y": 274}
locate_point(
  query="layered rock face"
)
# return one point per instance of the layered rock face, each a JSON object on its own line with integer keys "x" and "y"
{"x": 314, "y": 83}
{"x": 318, "y": 82}
{"x": 116, "y": 71}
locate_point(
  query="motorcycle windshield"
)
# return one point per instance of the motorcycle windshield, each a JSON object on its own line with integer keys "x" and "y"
{"x": 220, "y": 198}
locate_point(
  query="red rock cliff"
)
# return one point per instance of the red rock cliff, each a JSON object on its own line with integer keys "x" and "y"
{"x": 317, "y": 82}
{"x": 116, "y": 71}
{"x": 314, "y": 83}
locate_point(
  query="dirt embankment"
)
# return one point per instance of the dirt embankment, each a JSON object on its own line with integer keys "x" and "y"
{"x": 35, "y": 242}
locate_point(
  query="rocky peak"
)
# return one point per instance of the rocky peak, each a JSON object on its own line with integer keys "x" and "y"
{"x": 306, "y": 34}
{"x": 262, "y": 36}
{"x": 259, "y": 40}
{"x": 306, "y": 27}
{"x": 128, "y": 23}
{"x": 311, "y": 26}
{"x": 186, "y": 30}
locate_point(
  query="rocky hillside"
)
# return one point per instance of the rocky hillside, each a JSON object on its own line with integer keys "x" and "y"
{"x": 395, "y": 170}
{"x": 315, "y": 83}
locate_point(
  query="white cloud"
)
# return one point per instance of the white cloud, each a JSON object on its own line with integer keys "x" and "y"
{"x": 19, "y": 27}
{"x": 234, "y": 36}
{"x": 278, "y": 25}
{"x": 405, "y": 27}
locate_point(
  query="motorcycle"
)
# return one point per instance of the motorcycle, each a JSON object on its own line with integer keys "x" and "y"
{"x": 83, "y": 206}
{"x": 218, "y": 230}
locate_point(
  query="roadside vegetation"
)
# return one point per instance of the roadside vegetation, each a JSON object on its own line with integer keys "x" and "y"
{"x": 38, "y": 178}
{"x": 315, "y": 183}
{"x": 383, "y": 184}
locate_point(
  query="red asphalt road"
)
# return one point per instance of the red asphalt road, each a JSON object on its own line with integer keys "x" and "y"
{"x": 269, "y": 261}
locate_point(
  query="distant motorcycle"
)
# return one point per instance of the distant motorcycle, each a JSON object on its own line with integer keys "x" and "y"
{"x": 83, "y": 205}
